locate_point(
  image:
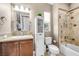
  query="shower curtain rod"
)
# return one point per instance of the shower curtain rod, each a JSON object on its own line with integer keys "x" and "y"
{"x": 73, "y": 9}
{"x": 69, "y": 10}
{"x": 63, "y": 9}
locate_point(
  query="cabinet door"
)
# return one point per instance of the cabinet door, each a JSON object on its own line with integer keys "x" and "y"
{"x": 10, "y": 48}
{"x": 26, "y": 48}
{"x": 0, "y": 49}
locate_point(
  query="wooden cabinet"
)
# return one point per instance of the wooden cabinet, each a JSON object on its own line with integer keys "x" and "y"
{"x": 10, "y": 49}
{"x": 26, "y": 48}
{"x": 0, "y": 49}
{"x": 17, "y": 48}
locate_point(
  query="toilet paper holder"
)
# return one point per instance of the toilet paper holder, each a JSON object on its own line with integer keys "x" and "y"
{"x": 2, "y": 19}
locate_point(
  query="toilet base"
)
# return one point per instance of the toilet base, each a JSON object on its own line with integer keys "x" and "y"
{"x": 51, "y": 54}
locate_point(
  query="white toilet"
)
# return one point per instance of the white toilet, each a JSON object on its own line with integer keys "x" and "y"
{"x": 53, "y": 50}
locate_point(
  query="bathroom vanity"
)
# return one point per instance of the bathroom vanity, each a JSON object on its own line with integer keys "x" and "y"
{"x": 17, "y": 46}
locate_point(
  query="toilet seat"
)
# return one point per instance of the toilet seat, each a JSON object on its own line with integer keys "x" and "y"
{"x": 54, "y": 49}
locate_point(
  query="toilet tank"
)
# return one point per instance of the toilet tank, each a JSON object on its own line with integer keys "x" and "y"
{"x": 48, "y": 40}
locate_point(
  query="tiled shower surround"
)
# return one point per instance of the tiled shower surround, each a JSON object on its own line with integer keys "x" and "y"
{"x": 69, "y": 26}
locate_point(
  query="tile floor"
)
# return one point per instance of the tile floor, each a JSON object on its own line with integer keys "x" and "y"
{"x": 60, "y": 54}
{"x": 46, "y": 54}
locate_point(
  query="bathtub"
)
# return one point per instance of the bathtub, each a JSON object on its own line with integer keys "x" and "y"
{"x": 69, "y": 49}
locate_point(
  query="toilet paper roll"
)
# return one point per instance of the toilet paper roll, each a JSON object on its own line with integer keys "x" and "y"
{"x": 54, "y": 41}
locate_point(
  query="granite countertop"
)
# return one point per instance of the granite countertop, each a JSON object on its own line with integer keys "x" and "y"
{"x": 14, "y": 38}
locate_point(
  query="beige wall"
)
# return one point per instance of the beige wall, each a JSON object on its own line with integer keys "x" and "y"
{"x": 5, "y": 10}
{"x": 55, "y": 17}
{"x": 74, "y": 5}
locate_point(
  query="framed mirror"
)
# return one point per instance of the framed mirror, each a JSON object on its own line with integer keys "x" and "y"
{"x": 23, "y": 21}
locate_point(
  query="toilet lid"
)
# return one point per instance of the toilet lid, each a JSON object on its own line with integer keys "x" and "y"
{"x": 53, "y": 47}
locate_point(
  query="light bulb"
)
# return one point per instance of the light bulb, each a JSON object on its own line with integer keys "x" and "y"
{"x": 16, "y": 7}
{"x": 22, "y": 8}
